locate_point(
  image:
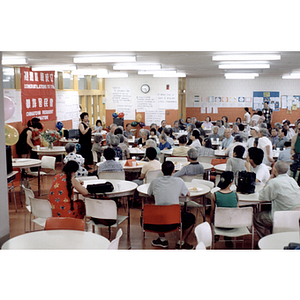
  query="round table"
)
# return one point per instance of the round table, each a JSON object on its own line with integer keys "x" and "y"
{"x": 138, "y": 167}
{"x": 137, "y": 151}
{"x": 57, "y": 239}
{"x": 220, "y": 153}
{"x": 278, "y": 241}
{"x": 56, "y": 150}
{"x": 24, "y": 163}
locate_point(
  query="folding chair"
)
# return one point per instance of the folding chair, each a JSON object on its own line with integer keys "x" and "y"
{"x": 59, "y": 223}
{"x": 285, "y": 221}
{"x": 114, "y": 245}
{"x": 203, "y": 234}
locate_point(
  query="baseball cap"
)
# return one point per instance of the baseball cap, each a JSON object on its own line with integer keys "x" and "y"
{"x": 255, "y": 128}
{"x": 225, "y": 180}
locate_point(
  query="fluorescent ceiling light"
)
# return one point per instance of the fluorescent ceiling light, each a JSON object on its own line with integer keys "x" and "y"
{"x": 137, "y": 67}
{"x": 246, "y": 57}
{"x": 56, "y": 68}
{"x": 166, "y": 74}
{"x": 155, "y": 72}
{"x": 14, "y": 61}
{"x": 115, "y": 75}
{"x": 241, "y": 75}
{"x": 104, "y": 59}
{"x": 92, "y": 72}
{"x": 244, "y": 66}
{"x": 291, "y": 76}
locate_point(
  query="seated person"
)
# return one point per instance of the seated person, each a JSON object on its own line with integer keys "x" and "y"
{"x": 237, "y": 140}
{"x": 274, "y": 136}
{"x": 112, "y": 128}
{"x": 196, "y": 140}
{"x": 207, "y": 149}
{"x": 235, "y": 130}
{"x": 225, "y": 197}
{"x": 193, "y": 168}
{"x": 285, "y": 154}
{"x": 228, "y": 138}
{"x": 221, "y": 128}
{"x": 127, "y": 133}
{"x": 166, "y": 191}
{"x": 198, "y": 125}
{"x": 61, "y": 193}
{"x": 243, "y": 132}
{"x": 114, "y": 142}
{"x": 163, "y": 143}
{"x": 71, "y": 155}
{"x": 254, "y": 134}
{"x": 181, "y": 124}
{"x": 151, "y": 143}
{"x": 282, "y": 138}
{"x": 207, "y": 125}
{"x": 152, "y": 165}
{"x": 236, "y": 163}
{"x": 168, "y": 132}
{"x": 144, "y": 133}
{"x": 97, "y": 145}
{"x": 124, "y": 147}
{"x": 153, "y": 133}
{"x": 153, "y": 125}
{"x": 284, "y": 194}
{"x": 181, "y": 150}
{"x": 190, "y": 130}
{"x": 98, "y": 127}
{"x": 254, "y": 164}
{"x": 110, "y": 165}
{"x": 215, "y": 134}
{"x": 176, "y": 127}
{"x": 162, "y": 127}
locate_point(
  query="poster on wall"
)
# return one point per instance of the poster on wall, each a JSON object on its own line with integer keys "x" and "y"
{"x": 260, "y": 97}
{"x": 144, "y": 103}
{"x": 121, "y": 94}
{"x": 38, "y": 95}
{"x": 167, "y": 101}
{"x": 154, "y": 116}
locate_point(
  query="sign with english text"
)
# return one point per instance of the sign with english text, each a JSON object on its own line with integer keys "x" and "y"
{"x": 38, "y": 95}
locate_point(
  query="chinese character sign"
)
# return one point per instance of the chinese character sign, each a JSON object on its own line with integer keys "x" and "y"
{"x": 38, "y": 95}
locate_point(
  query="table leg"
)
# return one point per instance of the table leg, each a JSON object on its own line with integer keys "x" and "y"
{"x": 204, "y": 205}
{"x": 39, "y": 181}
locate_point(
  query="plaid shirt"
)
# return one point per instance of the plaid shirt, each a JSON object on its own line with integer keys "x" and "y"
{"x": 267, "y": 112}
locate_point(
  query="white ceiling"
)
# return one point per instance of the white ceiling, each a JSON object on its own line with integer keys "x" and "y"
{"x": 194, "y": 63}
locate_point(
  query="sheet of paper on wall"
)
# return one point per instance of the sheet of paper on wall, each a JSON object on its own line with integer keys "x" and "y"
{"x": 215, "y": 108}
{"x": 144, "y": 103}
{"x": 154, "y": 116}
{"x": 283, "y": 101}
{"x": 120, "y": 95}
{"x": 15, "y": 96}
{"x": 203, "y": 109}
{"x": 209, "y": 109}
{"x": 298, "y": 100}
{"x": 196, "y": 101}
{"x": 257, "y": 103}
{"x": 127, "y": 109}
{"x": 167, "y": 101}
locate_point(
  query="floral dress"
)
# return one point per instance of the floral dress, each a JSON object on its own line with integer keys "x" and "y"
{"x": 60, "y": 201}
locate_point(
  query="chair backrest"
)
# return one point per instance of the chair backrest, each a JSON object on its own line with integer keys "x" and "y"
{"x": 114, "y": 244}
{"x": 48, "y": 162}
{"x": 204, "y": 234}
{"x": 200, "y": 246}
{"x": 40, "y": 208}
{"x": 87, "y": 178}
{"x": 297, "y": 208}
{"x": 284, "y": 221}
{"x": 161, "y": 214}
{"x": 150, "y": 175}
{"x": 100, "y": 209}
{"x": 59, "y": 223}
{"x": 112, "y": 175}
{"x": 189, "y": 178}
{"x": 28, "y": 193}
{"x": 210, "y": 184}
{"x": 95, "y": 156}
{"x": 218, "y": 161}
{"x": 229, "y": 217}
{"x": 205, "y": 159}
{"x": 181, "y": 159}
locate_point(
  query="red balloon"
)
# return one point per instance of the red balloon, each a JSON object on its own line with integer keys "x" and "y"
{"x": 121, "y": 115}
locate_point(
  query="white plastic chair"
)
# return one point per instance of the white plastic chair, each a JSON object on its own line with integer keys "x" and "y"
{"x": 189, "y": 178}
{"x": 285, "y": 221}
{"x": 150, "y": 175}
{"x": 297, "y": 208}
{"x": 28, "y": 193}
{"x": 179, "y": 159}
{"x": 233, "y": 222}
{"x": 102, "y": 209}
{"x": 114, "y": 244}
{"x": 120, "y": 175}
{"x": 41, "y": 210}
{"x": 203, "y": 234}
{"x": 48, "y": 162}
{"x": 200, "y": 246}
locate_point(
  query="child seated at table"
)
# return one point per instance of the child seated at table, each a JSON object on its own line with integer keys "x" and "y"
{"x": 225, "y": 197}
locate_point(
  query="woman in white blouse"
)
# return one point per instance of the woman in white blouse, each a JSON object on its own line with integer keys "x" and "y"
{"x": 207, "y": 125}
{"x": 196, "y": 139}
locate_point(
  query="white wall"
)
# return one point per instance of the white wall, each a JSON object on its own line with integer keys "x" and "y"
{"x": 4, "y": 217}
{"x": 221, "y": 87}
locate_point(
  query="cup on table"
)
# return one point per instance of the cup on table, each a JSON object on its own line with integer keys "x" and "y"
{"x": 38, "y": 147}
{"x": 217, "y": 140}
{"x": 134, "y": 163}
{"x": 140, "y": 146}
{"x": 220, "y": 148}
{"x": 130, "y": 146}
{"x": 116, "y": 158}
{"x": 277, "y": 149}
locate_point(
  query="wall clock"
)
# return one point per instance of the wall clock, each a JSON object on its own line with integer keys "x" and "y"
{"x": 145, "y": 88}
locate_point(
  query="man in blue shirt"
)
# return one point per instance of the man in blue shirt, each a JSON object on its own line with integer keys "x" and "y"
{"x": 285, "y": 154}
{"x": 228, "y": 138}
{"x": 163, "y": 143}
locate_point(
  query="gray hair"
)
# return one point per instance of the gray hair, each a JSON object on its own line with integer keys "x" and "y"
{"x": 153, "y": 124}
{"x": 70, "y": 147}
{"x": 121, "y": 127}
{"x": 263, "y": 125}
{"x": 214, "y": 127}
{"x": 121, "y": 137}
{"x": 113, "y": 124}
{"x": 264, "y": 131}
{"x": 163, "y": 136}
{"x": 114, "y": 140}
{"x": 281, "y": 167}
{"x": 98, "y": 138}
{"x": 146, "y": 132}
{"x": 151, "y": 143}
{"x": 192, "y": 154}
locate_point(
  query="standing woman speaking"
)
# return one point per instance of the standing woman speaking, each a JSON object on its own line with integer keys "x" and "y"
{"x": 85, "y": 135}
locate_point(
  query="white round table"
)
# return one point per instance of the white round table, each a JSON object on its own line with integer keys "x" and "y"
{"x": 220, "y": 153}
{"x": 137, "y": 151}
{"x": 57, "y": 239}
{"x": 278, "y": 241}
{"x": 138, "y": 167}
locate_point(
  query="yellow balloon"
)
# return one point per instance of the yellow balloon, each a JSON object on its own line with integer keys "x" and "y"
{"x": 11, "y": 135}
{"x": 139, "y": 117}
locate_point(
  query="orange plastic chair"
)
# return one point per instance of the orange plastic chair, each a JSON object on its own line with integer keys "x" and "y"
{"x": 61, "y": 223}
{"x": 216, "y": 161}
{"x": 162, "y": 215}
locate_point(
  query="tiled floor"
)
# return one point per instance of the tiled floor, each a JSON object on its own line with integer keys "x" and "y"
{"x": 136, "y": 241}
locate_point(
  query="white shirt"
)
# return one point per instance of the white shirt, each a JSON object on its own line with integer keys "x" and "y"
{"x": 195, "y": 144}
{"x": 229, "y": 149}
{"x": 250, "y": 142}
{"x": 263, "y": 142}
{"x": 262, "y": 174}
{"x": 247, "y": 117}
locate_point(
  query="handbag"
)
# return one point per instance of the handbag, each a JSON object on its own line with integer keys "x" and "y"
{"x": 100, "y": 188}
{"x": 246, "y": 182}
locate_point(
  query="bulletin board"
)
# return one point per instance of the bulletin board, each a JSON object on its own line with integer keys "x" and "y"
{"x": 260, "y": 97}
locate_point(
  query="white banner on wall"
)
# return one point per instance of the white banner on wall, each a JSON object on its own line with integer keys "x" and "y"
{"x": 120, "y": 94}
{"x": 145, "y": 103}
{"x": 167, "y": 101}
{"x": 154, "y": 116}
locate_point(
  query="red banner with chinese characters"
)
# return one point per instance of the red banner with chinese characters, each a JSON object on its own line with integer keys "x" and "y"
{"x": 38, "y": 95}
